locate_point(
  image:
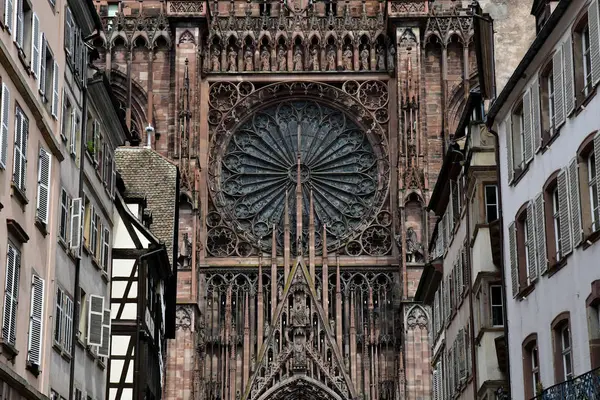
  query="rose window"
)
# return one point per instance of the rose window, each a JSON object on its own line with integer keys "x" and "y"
{"x": 298, "y": 140}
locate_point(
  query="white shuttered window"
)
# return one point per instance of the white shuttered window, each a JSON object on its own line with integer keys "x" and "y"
{"x": 575, "y": 202}
{"x": 4, "y": 114}
{"x": 594, "y": 24}
{"x": 559, "y": 98}
{"x": 36, "y": 321}
{"x": 563, "y": 209}
{"x": 43, "y": 193}
{"x": 569, "y": 78}
{"x": 514, "y": 265}
{"x": 95, "y": 319}
{"x": 20, "y": 153}
{"x": 11, "y": 295}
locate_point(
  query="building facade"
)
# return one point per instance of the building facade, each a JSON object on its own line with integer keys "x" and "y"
{"x": 463, "y": 283}
{"x": 546, "y": 125}
{"x": 309, "y": 137}
{"x": 90, "y": 130}
{"x": 30, "y": 154}
{"x": 143, "y": 277}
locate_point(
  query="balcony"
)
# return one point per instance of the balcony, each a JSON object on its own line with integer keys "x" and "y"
{"x": 583, "y": 387}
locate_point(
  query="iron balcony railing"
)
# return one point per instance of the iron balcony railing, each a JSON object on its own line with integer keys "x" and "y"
{"x": 583, "y": 387}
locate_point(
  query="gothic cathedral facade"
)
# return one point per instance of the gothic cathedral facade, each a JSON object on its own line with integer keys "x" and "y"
{"x": 309, "y": 136}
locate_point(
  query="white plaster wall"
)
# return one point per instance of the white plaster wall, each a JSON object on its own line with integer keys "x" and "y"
{"x": 568, "y": 288}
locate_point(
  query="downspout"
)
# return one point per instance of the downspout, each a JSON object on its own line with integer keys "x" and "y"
{"x": 471, "y": 312}
{"x": 502, "y": 264}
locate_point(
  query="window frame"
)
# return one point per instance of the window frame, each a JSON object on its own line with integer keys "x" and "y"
{"x": 493, "y": 286}
{"x": 488, "y": 204}
{"x": 558, "y": 325}
{"x": 531, "y": 365}
{"x": 547, "y": 108}
{"x": 591, "y": 227}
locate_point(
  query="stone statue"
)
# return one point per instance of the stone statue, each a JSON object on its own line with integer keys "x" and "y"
{"x": 265, "y": 60}
{"x": 298, "y": 66}
{"x": 347, "y": 58}
{"x": 380, "y": 58}
{"x": 390, "y": 58}
{"x": 314, "y": 59}
{"x": 232, "y": 60}
{"x": 214, "y": 59}
{"x": 364, "y": 59}
{"x": 248, "y": 60}
{"x": 282, "y": 59}
{"x": 414, "y": 249}
{"x": 331, "y": 59}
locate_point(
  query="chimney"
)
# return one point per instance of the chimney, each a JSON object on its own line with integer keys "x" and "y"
{"x": 149, "y": 134}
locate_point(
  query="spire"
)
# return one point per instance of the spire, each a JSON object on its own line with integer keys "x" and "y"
{"x": 273, "y": 275}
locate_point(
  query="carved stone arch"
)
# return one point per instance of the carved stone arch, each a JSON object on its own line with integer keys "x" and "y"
{"x": 186, "y": 37}
{"x": 311, "y": 389}
{"x": 278, "y": 37}
{"x": 414, "y": 195}
{"x": 116, "y": 35}
{"x": 416, "y": 317}
{"x": 298, "y": 35}
{"x": 329, "y": 35}
{"x": 315, "y": 34}
{"x": 427, "y": 40}
{"x": 164, "y": 35}
{"x": 101, "y": 40}
{"x": 232, "y": 35}
{"x": 137, "y": 36}
{"x": 265, "y": 34}
{"x": 455, "y": 34}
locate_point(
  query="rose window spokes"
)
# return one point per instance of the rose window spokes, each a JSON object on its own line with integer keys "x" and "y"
{"x": 332, "y": 156}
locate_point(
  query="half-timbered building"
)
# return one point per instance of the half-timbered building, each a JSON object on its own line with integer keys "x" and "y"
{"x": 142, "y": 304}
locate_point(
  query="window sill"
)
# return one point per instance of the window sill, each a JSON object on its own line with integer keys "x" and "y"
{"x": 19, "y": 194}
{"x": 551, "y": 139}
{"x": 80, "y": 342}
{"x": 557, "y": 266}
{"x": 96, "y": 264}
{"x": 41, "y": 227}
{"x": 580, "y": 106}
{"x": 61, "y": 351}
{"x": 105, "y": 276}
{"x": 526, "y": 291}
{"x": 590, "y": 239}
{"x": 9, "y": 350}
{"x": 33, "y": 368}
{"x": 63, "y": 244}
{"x": 519, "y": 174}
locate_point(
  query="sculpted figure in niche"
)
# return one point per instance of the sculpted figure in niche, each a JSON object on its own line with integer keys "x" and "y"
{"x": 314, "y": 59}
{"x": 248, "y": 60}
{"x": 214, "y": 59}
{"x": 331, "y": 59}
{"x": 282, "y": 59}
{"x": 232, "y": 59}
{"x": 380, "y": 58}
{"x": 347, "y": 58}
{"x": 298, "y": 66}
{"x": 390, "y": 60}
{"x": 364, "y": 59}
{"x": 414, "y": 249}
{"x": 265, "y": 60}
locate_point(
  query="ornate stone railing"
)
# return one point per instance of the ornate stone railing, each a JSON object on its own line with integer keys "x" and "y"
{"x": 403, "y": 8}
{"x": 583, "y": 387}
{"x": 186, "y": 8}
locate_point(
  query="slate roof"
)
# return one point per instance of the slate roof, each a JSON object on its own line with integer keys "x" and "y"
{"x": 145, "y": 172}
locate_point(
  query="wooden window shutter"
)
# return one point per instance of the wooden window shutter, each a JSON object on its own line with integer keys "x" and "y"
{"x": 105, "y": 249}
{"x": 69, "y": 31}
{"x": 559, "y": 103}
{"x": 528, "y": 142}
{"x": 104, "y": 350}
{"x": 35, "y": 45}
{"x": 509, "y": 149}
{"x": 64, "y": 115}
{"x": 42, "y": 80}
{"x": 20, "y": 22}
{"x": 536, "y": 131}
{"x": 4, "y": 116}
{"x": 569, "y": 78}
{"x": 55, "y": 82}
{"x": 13, "y": 266}
{"x": 68, "y": 323}
{"x": 95, "y": 318}
{"x": 596, "y": 153}
{"x": 514, "y": 266}
{"x": 43, "y": 194}
{"x": 36, "y": 321}
{"x": 113, "y": 181}
{"x": 73, "y": 133}
{"x": 594, "y": 27}
{"x": 540, "y": 234}
{"x": 563, "y": 209}
{"x": 20, "y": 153}
{"x": 575, "y": 201}
{"x": 8, "y": 15}
{"x": 531, "y": 259}
{"x": 76, "y": 224}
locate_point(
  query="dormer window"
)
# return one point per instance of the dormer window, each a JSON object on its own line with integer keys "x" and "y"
{"x": 542, "y": 10}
